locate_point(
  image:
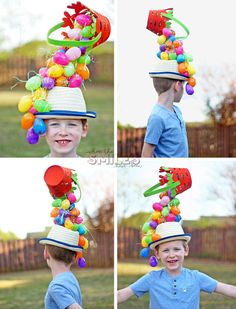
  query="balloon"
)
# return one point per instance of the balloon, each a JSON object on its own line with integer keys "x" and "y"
{"x": 145, "y": 227}
{"x": 32, "y": 137}
{"x": 57, "y": 202}
{"x": 62, "y": 81}
{"x": 85, "y": 59}
{"x": 161, "y": 39}
{"x": 74, "y": 34}
{"x": 165, "y": 200}
{"x": 42, "y": 106}
{"x": 84, "y": 20}
{"x": 61, "y": 58}
{"x": 39, "y": 126}
{"x": 88, "y": 32}
{"x": 166, "y": 32}
{"x": 69, "y": 70}
{"x": 144, "y": 252}
{"x": 75, "y": 81}
{"x": 65, "y": 204}
{"x": 33, "y": 83}
{"x": 165, "y": 211}
{"x": 25, "y": 103}
{"x": 82, "y": 229}
{"x": 153, "y": 261}
{"x": 153, "y": 224}
{"x": 71, "y": 197}
{"x": 48, "y": 83}
{"x": 81, "y": 262}
{"x": 73, "y": 53}
{"x": 27, "y": 121}
{"x": 43, "y": 72}
{"x": 192, "y": 81}
{"x": 189, "y": 89}
{"x": 55, "y": 71}
{"x": 83, "y": 71}
{"x": 157, "y": 206}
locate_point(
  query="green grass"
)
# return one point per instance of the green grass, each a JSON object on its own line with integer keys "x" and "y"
{"x": 130, "y": 271}
{"x": 99, "y": 141}
{"x": 27, "y": 289}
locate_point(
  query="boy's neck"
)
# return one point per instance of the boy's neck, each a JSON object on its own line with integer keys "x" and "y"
{"x": 58, "y": 267}
{"x": 166, "y": 100}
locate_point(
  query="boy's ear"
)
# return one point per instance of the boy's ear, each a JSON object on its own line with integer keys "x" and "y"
{"x": 45, "y": 254}
{"x": 157, "y": 253}
{"x": 84, "y": 129}
{"x": 186, "y": 251}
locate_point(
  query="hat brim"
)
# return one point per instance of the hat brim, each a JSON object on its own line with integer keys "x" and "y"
{"x": 57, "y": 243}
{"x": 185, "y": 237}
{"x": 63, "y": 114}
{"x": 170, "y": 75}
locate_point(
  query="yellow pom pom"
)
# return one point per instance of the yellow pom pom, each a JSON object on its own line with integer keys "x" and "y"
{"x": 156, "y": 215}
{"x": 191, "y": 70}
{"x": 65, "y": 204}
{"x": 164, "y": 56}
{"x": 25, "y": 103}
{"x": 161, "y": 39}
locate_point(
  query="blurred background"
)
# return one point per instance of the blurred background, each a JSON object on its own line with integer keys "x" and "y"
{"x": 210, "y": 113}
{"x": 25, "y": 217}
{"x": 208, "y": 210}
{"x": 23, "y": 48}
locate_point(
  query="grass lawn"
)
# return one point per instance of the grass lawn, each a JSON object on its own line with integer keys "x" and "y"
{"x": 27, "y": 289}
{"x": 130, "y": 271}
{"x": 100, "y": 139}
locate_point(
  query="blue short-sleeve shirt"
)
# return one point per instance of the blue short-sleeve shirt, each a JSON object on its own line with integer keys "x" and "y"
{"x": 182, "y": 291}
{"x": 63, "y": 291}
{"x": 166, "y": 130}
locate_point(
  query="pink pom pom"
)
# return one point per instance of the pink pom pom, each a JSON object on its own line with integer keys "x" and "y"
{"x": 71, "y": 197}
{"x": 43, "y": 72}
{"x": 165, "y": 200}
{"x": 167, "y": 32}
{"x": 157, "y": 206}
{"x": 170, "y": 218}
{"x": 179, "y": 50}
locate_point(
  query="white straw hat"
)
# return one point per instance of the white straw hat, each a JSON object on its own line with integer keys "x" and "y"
{"x": 60, "y": 236}
{"x": 167, "y": 69}
{"x": 169, "y": 231}
{"x": 66, "y": 103}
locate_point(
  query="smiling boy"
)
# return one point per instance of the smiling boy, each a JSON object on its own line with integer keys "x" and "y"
{"x": 174, "y": 286}
{"x": 66, "y": 122}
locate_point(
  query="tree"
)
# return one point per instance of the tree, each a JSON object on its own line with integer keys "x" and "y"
{"x": 5, "y": 236}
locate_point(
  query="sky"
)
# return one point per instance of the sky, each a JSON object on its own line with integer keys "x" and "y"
{"x": 25, "y": 199}
{"x": 199, "y": 200}
{"x": 211, "y": 43}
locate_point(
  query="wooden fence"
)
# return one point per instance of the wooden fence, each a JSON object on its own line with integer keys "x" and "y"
{"x": 27, "y": 254}
{"x": 203, "y": 140}
{"x": 214, "y": 243}
{"x": 101, "y": 71}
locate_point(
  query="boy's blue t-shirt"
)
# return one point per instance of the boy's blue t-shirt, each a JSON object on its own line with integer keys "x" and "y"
{"x": 166, "y": 130}
{"x": 63, "y": 291}
{"x": 182, "y": 291}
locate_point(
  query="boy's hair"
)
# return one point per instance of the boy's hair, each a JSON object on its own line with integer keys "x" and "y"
{"x": 162, "y": 84}
{"x": 185, "y": 245}
{"x": 61, "y": 254}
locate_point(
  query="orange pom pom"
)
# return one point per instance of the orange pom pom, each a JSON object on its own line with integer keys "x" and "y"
{"x": 27, "y": 121}
{"x": 182, "y": 67}
{"x": 155, "y": 237}
{"x": 83, "y": 71}
{"x": 175, "y": 210}
{"x": 81, "y": 241}
{"x": 192, "y": 81}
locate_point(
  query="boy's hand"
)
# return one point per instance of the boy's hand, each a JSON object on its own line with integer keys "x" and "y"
{"x": 147, "y": 151}
{"x": 124, "y": 294}
{"x": 74, "y": 306}
{"x": 226, "y": 289}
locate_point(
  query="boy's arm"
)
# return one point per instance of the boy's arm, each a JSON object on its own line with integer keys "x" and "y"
{"x": 147, "y": 151}
{"x": 226, "y": 289}
{"x": 124, "y": 294}
{"x": 74, "y": 306}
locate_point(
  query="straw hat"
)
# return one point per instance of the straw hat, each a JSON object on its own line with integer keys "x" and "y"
{"x": 169, "y": 231}
{"x": 60, "y": 236}
{"x": 66, "y": 103}
{"x": 167, "y": 69}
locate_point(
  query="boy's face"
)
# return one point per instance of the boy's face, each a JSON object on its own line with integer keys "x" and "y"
{"x": 172, "y": 255}
{"x": 64, "y": 135}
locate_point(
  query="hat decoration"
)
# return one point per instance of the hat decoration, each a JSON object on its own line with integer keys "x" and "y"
{"x": 67, "y": 67}
{"x": 171, "y": 46}
{"x": 62, "y": 183}
{"x": 172, "y": 183}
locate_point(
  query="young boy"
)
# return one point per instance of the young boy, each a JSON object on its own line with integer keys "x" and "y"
{"x": 174, "y": 286}
{"x": 166, "y": 133}
{"x": 61, "y": 246}
{"x": 66, "y": 122}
